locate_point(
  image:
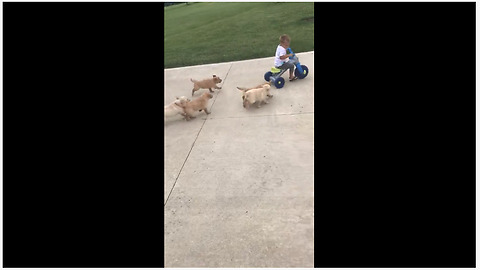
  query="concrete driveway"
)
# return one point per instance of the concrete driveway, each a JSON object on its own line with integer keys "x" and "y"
{"x": 238, "y": 182}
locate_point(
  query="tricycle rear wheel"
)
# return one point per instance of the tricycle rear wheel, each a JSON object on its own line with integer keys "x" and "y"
{"x": 267, "y": 76}
{"x": 279, "y": 82}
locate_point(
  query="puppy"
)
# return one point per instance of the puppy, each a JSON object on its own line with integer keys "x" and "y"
{"x": 256, "y": 95}
{"x": 207, "y": 83}
{"x": 198, "y": 104}
{"x": 244, "y": 90}
{"x": 176, "y": 107}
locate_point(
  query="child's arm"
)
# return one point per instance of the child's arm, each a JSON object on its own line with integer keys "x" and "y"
{"x": 285, "y": 56}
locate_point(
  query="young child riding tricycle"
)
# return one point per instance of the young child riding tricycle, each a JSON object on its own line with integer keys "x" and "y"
{"x": 284, "y": 62}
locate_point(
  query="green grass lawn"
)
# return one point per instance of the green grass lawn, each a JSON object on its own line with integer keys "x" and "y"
{"x": 203, "y": 33}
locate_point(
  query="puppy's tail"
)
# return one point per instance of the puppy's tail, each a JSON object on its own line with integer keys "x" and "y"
{"x": 241, "y": 88}
{"x": 192, "y": 80}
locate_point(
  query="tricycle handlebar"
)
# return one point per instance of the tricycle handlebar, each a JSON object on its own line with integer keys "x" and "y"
{"x": 290, "y": 51}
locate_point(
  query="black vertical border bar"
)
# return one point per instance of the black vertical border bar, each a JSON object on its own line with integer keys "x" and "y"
{"x": 395, "y": 125}
{"x": 82, "y": 179}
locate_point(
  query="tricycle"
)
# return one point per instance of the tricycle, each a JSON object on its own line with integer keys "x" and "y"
{"x": 274, "y": 76}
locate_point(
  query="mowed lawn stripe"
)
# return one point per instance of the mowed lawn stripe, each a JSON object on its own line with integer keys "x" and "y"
{"x": 204, "y": 33}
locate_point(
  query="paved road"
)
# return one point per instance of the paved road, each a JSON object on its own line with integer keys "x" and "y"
{"x": 239, "y": 183}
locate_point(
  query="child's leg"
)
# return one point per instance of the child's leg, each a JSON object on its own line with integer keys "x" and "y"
{"x": 292, "y": 67}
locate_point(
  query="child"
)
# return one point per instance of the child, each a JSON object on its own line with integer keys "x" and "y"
{"x": 281, "y": 56}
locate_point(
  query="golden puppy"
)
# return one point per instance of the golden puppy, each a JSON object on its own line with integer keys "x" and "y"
{"x": 198, "y": 104}
{"x": 244, "y": 90}
{"x": 256, "y": 95}
{"x": 207, "y": 83}
{"x": 176, "y": 107}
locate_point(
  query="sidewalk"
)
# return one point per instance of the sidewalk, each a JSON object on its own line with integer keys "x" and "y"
{"x": 239, "y": 183}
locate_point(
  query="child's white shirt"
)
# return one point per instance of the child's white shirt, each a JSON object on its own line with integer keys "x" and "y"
{"x": 280, "y": 51}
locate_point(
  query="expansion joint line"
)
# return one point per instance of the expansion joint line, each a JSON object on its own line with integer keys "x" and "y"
{"x": 224, "y": 79}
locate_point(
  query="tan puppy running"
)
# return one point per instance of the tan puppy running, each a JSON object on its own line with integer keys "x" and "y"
{"x": 244, "y": 90}
{"x": 206, "y": 84}
{"x": 176, "y": 107}
{"x": 197, "y": 104}
{"x": 257, "y": 95}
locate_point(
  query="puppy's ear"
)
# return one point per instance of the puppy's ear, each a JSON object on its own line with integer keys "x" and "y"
{"x": 214, "y": 75}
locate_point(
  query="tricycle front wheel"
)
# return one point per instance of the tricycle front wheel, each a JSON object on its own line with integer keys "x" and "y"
{"x": 301, "y": 75}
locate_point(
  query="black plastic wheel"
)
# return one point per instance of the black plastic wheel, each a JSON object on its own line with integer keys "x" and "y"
{"x": 267, "y": 76}
{"x": 305, "y": 72}
{"x": 279, "y": 82}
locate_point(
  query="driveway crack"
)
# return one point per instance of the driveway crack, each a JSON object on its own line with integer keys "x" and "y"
{"x": 223, "y": 82}
{"x": 193, "y": 144}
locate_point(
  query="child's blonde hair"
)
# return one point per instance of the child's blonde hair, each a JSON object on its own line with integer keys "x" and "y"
{"x": 284, "y": 38}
